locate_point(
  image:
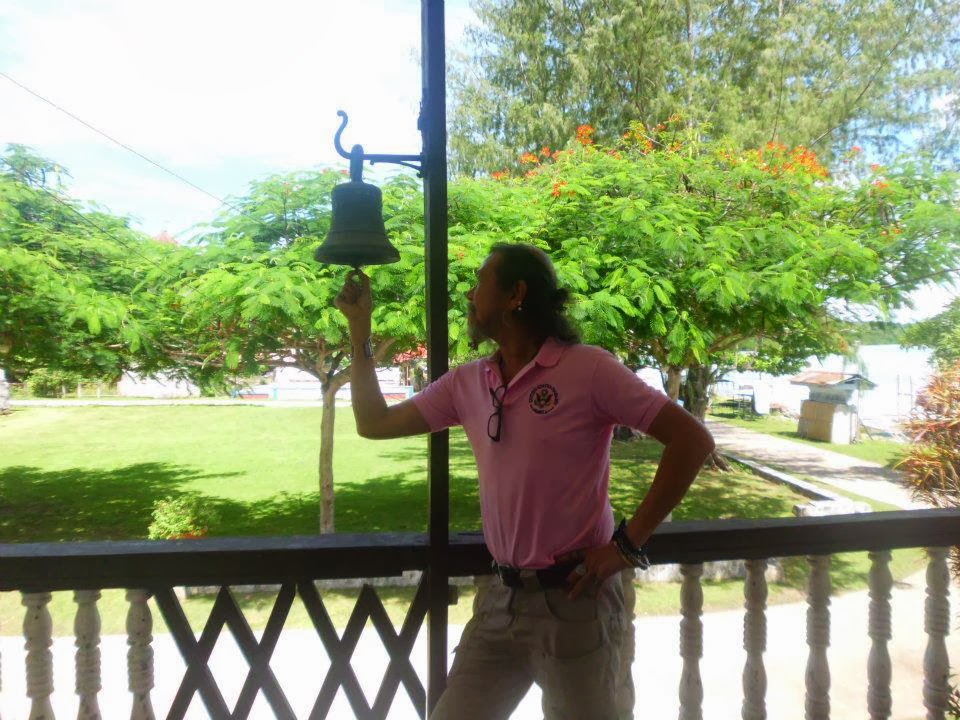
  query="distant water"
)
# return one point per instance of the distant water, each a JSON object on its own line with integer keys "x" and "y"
{"x": 899, "y": 375}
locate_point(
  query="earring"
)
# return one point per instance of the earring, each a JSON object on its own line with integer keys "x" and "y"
{"x": 519, "y": 307}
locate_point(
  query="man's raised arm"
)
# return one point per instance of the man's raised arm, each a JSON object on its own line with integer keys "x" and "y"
{"x": 375, "y": 419}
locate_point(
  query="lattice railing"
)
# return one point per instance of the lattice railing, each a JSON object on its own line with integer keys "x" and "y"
{"x": 152, "y": 570}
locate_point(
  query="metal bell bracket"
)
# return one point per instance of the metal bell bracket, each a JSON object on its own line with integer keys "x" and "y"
{"x": 356, "y": 155}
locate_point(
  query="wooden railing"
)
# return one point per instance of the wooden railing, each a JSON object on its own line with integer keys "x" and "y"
{"x": 154, "y": 569}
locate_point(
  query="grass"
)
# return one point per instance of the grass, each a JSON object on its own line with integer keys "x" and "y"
{"x": 883, "y": 452}
{"x": 257, "y": 465}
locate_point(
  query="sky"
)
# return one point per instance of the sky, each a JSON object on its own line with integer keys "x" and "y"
{"x": 220, "y": 92}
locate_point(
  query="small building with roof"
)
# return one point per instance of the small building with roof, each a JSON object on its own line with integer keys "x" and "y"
{"x": 831, "y": 412}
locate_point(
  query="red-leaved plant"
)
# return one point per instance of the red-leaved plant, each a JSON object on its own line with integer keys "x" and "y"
{"x": 932, "y": 464}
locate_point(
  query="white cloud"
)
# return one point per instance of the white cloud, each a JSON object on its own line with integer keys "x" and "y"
{"x": 160, "y": 204}
{"x": 191, "y": 83}
{"x": 927, "y": 301}
{"x": 204, "y": 88}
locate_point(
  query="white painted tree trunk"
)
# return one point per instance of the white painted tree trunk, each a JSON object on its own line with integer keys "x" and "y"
{"x": 37, "y": 631}
{"x": 936, "y": 663}
{"x": 327, "y": 422}
{"x": 691, "y": 642}
{"x": 140, "y": 654}
{"x": 879, "y": 672}
{"x": 86, "y": 628}
{"x": 755, "y": 641}
{"x": 817, "y": 703}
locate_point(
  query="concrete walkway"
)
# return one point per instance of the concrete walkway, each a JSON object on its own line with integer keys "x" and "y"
{"x": 300, "y": 661}
{"x": 846, "y": 473}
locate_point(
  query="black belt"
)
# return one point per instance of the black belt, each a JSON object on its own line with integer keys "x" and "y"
{"x": 554, "y": 576}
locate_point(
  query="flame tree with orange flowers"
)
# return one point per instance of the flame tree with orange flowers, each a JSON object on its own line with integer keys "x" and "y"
{"x": 698, "y": 256}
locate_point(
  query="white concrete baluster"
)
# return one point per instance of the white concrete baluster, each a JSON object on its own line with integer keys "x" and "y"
{"x": 817, "y": 703}
{"x": 936, "y": 664}
{"x": 37, "y": 631}
{"x": 140, "y": 654}
{"x": 755, "y": 641}
{"x": 626, "y": 695}
{"x": 879, "y": 701}
{"x": 691, "y": 642}
{"x": 86, "y": 629}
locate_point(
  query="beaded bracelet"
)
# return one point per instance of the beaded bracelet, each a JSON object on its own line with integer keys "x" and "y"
{"x": 630, "y": 552}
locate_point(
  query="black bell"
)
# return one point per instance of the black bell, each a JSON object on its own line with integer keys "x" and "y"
{"x": 357, "y": 235}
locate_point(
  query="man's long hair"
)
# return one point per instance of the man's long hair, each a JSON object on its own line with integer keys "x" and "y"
{"x": 543, "y": 311}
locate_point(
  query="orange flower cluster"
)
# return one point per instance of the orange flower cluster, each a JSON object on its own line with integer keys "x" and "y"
{"x": 856, "y": 149}
{"x": 500, "y": 175}
{"x": 729, "y": 157}
{"x": 557, "y": 187}
{"x": 585, "y": 134}
{"x": 777, "y": 159}
{"x": 545, "y": 151}
{"x": 881, "y": 184}
{"x": 529, "y": 158}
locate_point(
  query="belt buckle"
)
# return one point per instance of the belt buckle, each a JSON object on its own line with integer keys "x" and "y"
{"x": 530, "y": 580}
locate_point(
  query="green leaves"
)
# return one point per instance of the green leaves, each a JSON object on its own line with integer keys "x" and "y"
{"x": 820, "y": 75}
{"x": 69, "y": 278}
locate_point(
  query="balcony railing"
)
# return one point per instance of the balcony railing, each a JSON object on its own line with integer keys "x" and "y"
{"x": 154, "y": 569}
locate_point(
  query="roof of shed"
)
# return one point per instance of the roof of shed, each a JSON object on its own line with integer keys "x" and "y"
{"x": 827, "y": 378}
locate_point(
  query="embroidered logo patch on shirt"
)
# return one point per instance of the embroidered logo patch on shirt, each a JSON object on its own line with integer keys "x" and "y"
{"x": 543, "y": 399}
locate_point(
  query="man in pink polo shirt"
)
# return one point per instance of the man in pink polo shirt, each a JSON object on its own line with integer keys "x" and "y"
{"x": 539, "y": 414}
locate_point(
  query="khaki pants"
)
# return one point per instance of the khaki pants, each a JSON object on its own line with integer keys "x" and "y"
{"x": 571, "y": 649}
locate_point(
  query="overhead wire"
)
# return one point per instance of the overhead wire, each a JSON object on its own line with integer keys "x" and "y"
{"x": 126, "y": 147}
{"x": 71, "y": 208}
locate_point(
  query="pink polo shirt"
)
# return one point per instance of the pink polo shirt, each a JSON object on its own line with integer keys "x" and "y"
{"x": 543, "y": 487}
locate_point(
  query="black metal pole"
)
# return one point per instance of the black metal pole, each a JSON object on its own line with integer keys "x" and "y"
{"x": 434, "y": 128}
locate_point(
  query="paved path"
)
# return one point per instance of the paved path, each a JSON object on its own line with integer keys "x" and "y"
{"x": 843, "y": 472}
{"x": 300, "y": 662}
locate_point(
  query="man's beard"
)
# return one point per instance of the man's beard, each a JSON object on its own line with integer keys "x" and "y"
{"x": 474, "y": 331}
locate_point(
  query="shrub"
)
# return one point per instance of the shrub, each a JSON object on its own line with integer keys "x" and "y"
{"x": 932, "y": 464}
{"x": 177, "y": 517}
{"x": 50, "y": 383}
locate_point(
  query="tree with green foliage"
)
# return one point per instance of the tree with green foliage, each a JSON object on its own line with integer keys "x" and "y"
{"x": 67, "y": 277}
{"x": 823, "y": 75}
{"x": 696, "y": 255}
{"x": 256, "y": 299}
{"x": 941, "y": 333}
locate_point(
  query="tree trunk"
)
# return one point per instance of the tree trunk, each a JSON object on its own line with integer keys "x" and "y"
{"x": 673, "y": 382}
{"x": 697, "y": 394}
{"x": 697, "y": 391}
{"x": 326, "y": 458}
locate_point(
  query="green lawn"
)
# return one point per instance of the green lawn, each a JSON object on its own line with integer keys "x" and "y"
{"x": 258, "y": 466}
{"x": 84, "y": 473}
{"x": 884, "y": 452}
